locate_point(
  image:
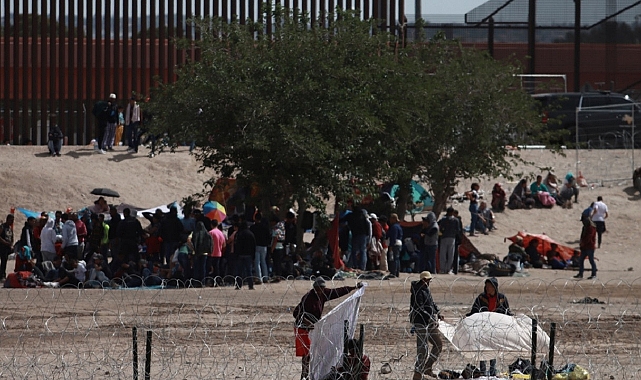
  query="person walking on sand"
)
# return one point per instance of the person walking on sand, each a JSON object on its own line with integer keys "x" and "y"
{"x": 309, "y": 311}
{"x": 599, "y": 215}
{"x": 588, "y": 241}
{"x": 424, "y": 315}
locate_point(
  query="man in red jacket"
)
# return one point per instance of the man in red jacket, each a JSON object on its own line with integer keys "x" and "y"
{"x": 588, "y": 245}
{"x": 309, "y": 311}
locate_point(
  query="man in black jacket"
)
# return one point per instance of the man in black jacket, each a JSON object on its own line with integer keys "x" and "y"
{"x": 424, "y": 315}
{"x": 493, "y": 301}
{"x": 245, "y": 251}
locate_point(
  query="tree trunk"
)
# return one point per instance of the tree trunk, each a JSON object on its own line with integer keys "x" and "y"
{"x": 403, "y": 194}
{"x": 300, "y": 243}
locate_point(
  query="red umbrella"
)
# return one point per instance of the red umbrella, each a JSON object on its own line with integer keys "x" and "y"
{"x": 544, "y": 244}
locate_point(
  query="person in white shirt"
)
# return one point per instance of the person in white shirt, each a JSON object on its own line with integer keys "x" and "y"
{"x": 599, "y": 215}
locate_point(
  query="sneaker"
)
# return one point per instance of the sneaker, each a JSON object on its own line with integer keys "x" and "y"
{"x": 578, "y": 276}
{"x": 58, "y": 154}
{"x": 102, "y": 151}
{"x": 130, "y": 150}
{"x": 592, "y": 277}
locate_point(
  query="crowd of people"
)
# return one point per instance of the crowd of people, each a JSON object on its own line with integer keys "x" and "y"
{"x": 543, "y": 193}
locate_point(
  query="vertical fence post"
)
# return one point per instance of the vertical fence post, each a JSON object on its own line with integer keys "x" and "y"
{"x": 551, "y": 354}
{"x": 148, "y": 356}
{"x": 534, "y": 344}
{"x": 134, "y": 333}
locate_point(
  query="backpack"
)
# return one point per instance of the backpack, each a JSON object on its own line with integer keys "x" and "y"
{"x": 500, "y": 269}
{"x": 99, "y": 109}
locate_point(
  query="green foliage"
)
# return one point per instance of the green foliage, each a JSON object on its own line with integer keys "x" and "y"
{"x": 322, "y": 107}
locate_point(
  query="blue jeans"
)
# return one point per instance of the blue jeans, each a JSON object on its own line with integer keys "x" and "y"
{"x": 589, "y": 253}
{"x": 167, "y": 249}
{"x": 133, "y": 135}
{"x": 474, "y": 211}
{"x": 430, "y": 258}
{"x": 244, "y": 270}
{"x": 358, "y": 259}
{"x": 260, "y": 265}
{"x": 394, "y": 260}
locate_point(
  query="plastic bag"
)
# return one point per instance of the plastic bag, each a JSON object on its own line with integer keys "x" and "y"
{"x": 579, "y": 373}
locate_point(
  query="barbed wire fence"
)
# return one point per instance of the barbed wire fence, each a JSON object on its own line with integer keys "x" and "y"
{"x": 222, "y": 333}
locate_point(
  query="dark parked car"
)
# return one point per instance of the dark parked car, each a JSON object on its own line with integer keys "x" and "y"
{"x": 605, "y": 119}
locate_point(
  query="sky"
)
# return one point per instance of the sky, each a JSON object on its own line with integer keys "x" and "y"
{"x": 451, "y": 7}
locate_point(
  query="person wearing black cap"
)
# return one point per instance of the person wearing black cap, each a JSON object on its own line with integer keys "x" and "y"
{"x": 490, "y": 301}
{"x": 424, "y": 316}
{"x": 309, "y": 311}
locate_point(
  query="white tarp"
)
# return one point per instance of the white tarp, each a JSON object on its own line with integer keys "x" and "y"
{"x": 164, "y": 209}
{"x": 327, "y": 336}
{"x": 486, "y": 334}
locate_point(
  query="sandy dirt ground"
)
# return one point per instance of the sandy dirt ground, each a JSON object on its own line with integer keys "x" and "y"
{"x": 225, "y": 334}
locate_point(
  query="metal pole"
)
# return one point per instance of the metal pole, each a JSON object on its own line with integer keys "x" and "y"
{"x": 634, "y": 106}
{"x": 534, "y": 341}
{"x": 551, "y": 354}
{"x": 531, "y": 39}
{"x": 576, "y": 137}
{"x": 148, "y": 356}
{"x": 577, "y": 45}
{"x": 134, "y": 332}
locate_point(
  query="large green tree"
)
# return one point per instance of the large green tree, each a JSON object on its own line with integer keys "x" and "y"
{"x": 322, "y": 107}
{"x": 296, "y": 112}
{"x": 476, "y": 113}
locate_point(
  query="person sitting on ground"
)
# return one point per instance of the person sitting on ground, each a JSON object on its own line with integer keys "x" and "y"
{"x": 355, "y": 365}
{"x": 554, "y": 189}
{"x": 486, "y": 218}
{"x": 541, "y": 194}
{"x": 532, "y": 254}
{"x": 566, "y": 194}
{"x": 97, "y": 277}
{"x": 555, "y": 261}
{"x": 521, "y": 197}
{"x": 571, "y": 182}
{"x": 516, "y": 254}
{"x": 66, "y": 273}
{"x": 498, "y": 198}
{"x": 321, "y": 265}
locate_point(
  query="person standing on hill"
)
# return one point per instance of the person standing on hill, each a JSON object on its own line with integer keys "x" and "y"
{"x": 133, "y": 118}
{"x": 110, "y": 129}
{"x": 587, "y": 245}
{"x": 599, "y": 215}
{"x": 450, "y": 228}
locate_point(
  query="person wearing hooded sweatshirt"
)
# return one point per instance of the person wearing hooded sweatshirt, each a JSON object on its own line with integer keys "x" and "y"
{"x": 490, "y": 301}
{"x": 424, "y": 315}
{"x": 587, "y": 244}
{"x": 203, "y": 246}
{"x": 69, "y": 237}
{"x": 429, "y": 234}
{"x": 450, "y": 228}
{"x": 48, "y": 241}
